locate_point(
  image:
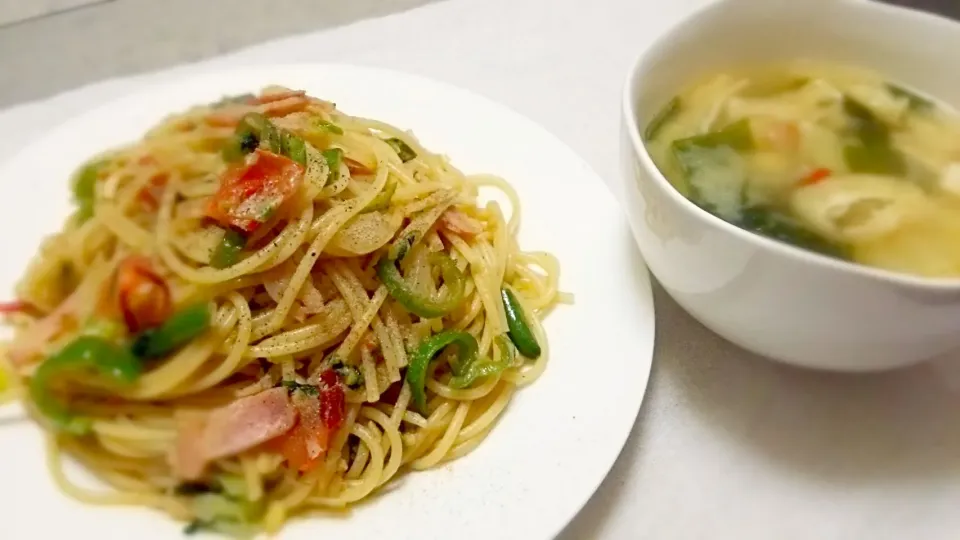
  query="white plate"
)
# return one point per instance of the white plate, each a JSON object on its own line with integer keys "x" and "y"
{"x": 559, "y": 436}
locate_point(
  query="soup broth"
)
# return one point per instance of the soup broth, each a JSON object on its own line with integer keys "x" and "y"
{"x": 833, "y": 159}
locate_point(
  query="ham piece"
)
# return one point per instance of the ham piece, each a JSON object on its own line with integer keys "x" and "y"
{"x": 230, "y": 430}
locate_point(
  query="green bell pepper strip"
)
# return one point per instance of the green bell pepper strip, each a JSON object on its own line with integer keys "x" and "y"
{"x": 246, "y": 138}
{"x": 179, "y": 329}
{"x": 83, "y": 353}
{"x": 520, "y": 333}
{"x": 329, "y": 127}
{"x": 382, "y": 200}
{"x": 228, "y": 251}
{"x": 85, "y": 189}
{"x": 254, "y": 129}
{"x": 403, "y": 150}
{"x": 426, "y": 306}
{"x": 334, "y": 157}
{"x": 416, "y": 376}
{"x": 486, "y": 367}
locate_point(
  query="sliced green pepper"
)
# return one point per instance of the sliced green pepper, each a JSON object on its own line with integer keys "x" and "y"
{"x": 486, "y": 367}
{"x": 85, "y": 189}
{"x": 419, "y": 304}
{"x": 179, "y": 329}
{"x": 403, "y": 150}
{"x": 254, "y": 129}
{"x": 667, "y": 113}
{"x": 228, "y": 251}
{"x": 329, "y": 127}
{"x": 382, "y": 200}
{"x": 292, "y": 146}
{"x": 334, "y": 157}
{"x": 246, "y": 138}
{"x": 83, "y": 353}
{"x": 519, "y": 333}
{"x": 871, "y": 152}
{"x": 416, "y": 376}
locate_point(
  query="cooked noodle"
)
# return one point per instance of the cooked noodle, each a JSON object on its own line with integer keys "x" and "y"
{"x": 302, "y": 299}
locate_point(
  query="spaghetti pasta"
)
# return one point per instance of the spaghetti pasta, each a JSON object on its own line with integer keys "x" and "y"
{"x": 266, "y": 307}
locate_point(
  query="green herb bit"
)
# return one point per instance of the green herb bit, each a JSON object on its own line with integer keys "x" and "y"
{"x": 308, "y": 389}
{"x": 350, "y": 375}
{"x": 667, "y": 113}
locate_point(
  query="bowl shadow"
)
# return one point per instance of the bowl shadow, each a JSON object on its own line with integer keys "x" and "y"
{"x": 838, "y": 428}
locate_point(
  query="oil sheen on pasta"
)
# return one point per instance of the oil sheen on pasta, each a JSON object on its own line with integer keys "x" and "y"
{"x": 267, "y": 306}
{"x": 830, "y": 158}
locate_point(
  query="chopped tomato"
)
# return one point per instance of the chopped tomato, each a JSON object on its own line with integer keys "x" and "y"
{"x": 295, "y": 444}
{"x": 252, "y": 192}
{"x": 305, "y": 445}
{"x": 817, "y": 176}
{"x": 319, "y": 417}
{"x": 332, "y": 400}
{"x": 143, "y": 295}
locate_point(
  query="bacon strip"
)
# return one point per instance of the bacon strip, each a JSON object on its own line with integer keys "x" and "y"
{"x": 243, "y": 424}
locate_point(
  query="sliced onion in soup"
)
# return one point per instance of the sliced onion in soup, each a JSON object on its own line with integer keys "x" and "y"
{"x": 856, "y": 208}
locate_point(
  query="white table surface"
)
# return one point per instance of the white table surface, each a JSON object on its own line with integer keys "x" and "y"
{"x": 727, "y": 446}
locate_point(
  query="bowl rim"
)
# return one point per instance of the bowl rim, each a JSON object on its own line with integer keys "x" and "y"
{"x": 662, "y": 44}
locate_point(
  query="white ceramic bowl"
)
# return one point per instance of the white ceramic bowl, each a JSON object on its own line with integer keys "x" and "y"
{"x": 773, "y": 299}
